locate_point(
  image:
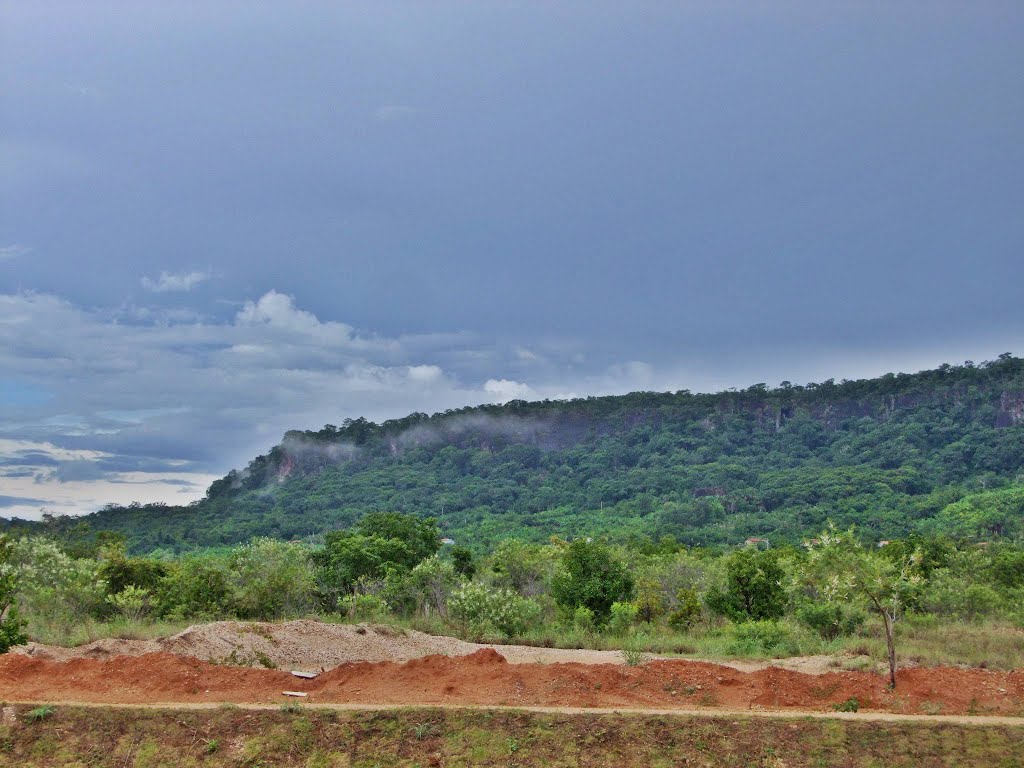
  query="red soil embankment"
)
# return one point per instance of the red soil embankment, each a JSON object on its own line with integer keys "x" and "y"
{"x": 485, "y": 678}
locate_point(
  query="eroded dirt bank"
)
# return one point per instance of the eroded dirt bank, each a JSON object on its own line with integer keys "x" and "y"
{"x": 485, "y": 677}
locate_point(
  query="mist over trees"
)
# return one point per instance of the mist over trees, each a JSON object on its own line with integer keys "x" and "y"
{"x": 940, "y": 451}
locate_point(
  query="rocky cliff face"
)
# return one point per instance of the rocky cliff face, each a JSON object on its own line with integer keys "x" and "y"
{"x": 1011, "y": 409}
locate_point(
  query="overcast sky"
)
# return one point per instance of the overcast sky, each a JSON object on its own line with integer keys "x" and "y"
{"x": 220, "y": 220}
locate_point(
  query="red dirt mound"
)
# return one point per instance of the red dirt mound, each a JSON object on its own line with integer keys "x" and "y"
{"x": 485, "y": 677}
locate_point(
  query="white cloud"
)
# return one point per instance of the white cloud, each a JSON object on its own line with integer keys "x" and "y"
{"x": 503, "y": 390}
{"x": 141, "y": 402}
{"x": 13, "y": 251}
{"x": 169, "y": 281}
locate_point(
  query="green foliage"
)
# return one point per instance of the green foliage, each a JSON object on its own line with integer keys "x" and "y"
{"x": 583, "y": 619}
{"x": 133, "y": 603}
{"x": 462, "y": 560}
{"x": 431, "y": 583}
{"x": 39, "y": 714}
{"x": 985, "y": 515}
{"x": 623, "y": 617}
{"x": 894, "y": 455}
{"x": 763, "y": 638}
{"x": 363, "y": 607}
{"x": 120, "y": 571}
{"x": 524, "y": 567}
{"x": 11, "y": 625}
{"x": 271, "y": 579}
{"x": 830, "y": 619}
{"x": 850, "y": 705}
{"x": 843, "y": 570}
{"x": 381, "y": 544}
{"x": 53, "y": 588}
{"x": 687, "y": 611}
{"x": 591, "y": 576}
{"x": 196, "y": 587}
{"x": 633, "y": 657}
{"x": 491, "y": 611}
{"x": 650, "y": 600}
{"x": 754, "y": 587}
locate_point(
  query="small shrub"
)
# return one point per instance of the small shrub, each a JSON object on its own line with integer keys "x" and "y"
{"x": 633, "y": 657}
{"x": 762, "y": 638}
{"x": 687, "y": 610}
{"x": 583, "y": 619}
{"x": 850, "y": 705}
{"x": 39, "y": 714}
{"x": 623, "y": 616}
{"x": 132, "y": 602}
{"x": 360, "y": 607}
{"x": 487, "y": 610}
{"x": 830, "y": 620}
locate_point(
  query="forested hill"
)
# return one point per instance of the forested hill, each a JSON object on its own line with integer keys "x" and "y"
{"x": 936, "y": 451}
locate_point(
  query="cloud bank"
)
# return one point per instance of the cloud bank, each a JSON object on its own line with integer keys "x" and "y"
{"x": 152, "y": 404}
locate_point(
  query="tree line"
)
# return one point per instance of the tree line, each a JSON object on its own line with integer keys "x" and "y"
{"x": 656, "y": 594}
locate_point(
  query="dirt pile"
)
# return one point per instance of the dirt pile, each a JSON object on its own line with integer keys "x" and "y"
{"x": 485, "y": 677}
{"x": 302, "y": 644}
{"x": 315, "y": 645}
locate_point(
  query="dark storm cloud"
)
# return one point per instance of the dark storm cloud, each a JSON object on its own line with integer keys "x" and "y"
{"x": 219, "y": 221}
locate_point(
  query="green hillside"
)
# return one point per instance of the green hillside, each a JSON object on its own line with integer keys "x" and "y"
{"x": 936, "y": 451}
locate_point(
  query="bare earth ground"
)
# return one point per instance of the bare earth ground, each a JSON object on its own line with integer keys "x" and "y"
{"x": 313, "y": 645}
{"x": 366, "y": 665}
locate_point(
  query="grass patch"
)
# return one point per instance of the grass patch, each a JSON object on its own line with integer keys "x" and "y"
{"x": 422, "y": 736}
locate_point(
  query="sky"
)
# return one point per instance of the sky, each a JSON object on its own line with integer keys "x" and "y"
{"x": 223, "y": 220}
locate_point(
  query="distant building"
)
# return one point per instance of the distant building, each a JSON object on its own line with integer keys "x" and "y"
{"x": 447, "y": 542}
{"x": 758, "y": 543}
{"x": 883, "y": 543}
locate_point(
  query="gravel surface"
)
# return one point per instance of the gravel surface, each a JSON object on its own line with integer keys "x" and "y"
{"x": 313, "y": 646}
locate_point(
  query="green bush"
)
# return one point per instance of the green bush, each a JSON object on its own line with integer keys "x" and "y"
{"x": 271, "y": 579}
{"x": 120, "y": 571}
{"x": 688, "y": 609}
{"x": 583, "y": 619}
{"x": 850, "y": 705}
{"x": 754, "y": 587}
{"x": 53, "y": 588}
{"x": 363, "y": 607}
{"x": 591, "y": 576}
{"x": 762, "y": 638}
{"x": 487, "y": 611}
{"x": 132, "y": 603}
{"x": 830, "y": 620}
{"x": 196, "y": 588}
{"x": 950, "y": 594}
{"x": 623, "y": 616}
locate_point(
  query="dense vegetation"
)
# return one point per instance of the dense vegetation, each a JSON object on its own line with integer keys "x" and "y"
{"x": 831, "y": 595}
{"x": 939, "y": 451}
